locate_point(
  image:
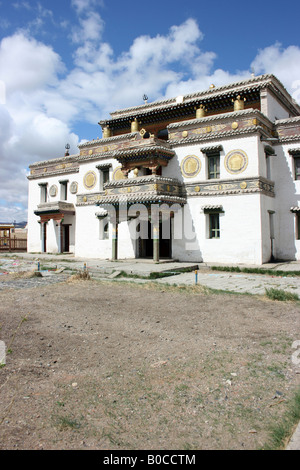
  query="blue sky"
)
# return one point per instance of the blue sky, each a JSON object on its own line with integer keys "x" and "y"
{"x": 64, "y": 65}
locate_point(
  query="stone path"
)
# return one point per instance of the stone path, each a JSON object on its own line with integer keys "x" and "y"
{"x": 234, "y": 282}
{"x": 102, "y": 269}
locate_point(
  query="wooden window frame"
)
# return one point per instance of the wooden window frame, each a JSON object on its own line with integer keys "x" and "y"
{"x": 297, "y": 167}
{"x": 215, "y": 174}
{"x": 214, "y": 231}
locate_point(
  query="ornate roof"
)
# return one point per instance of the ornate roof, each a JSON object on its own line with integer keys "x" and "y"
{"x": 215, "y": 99}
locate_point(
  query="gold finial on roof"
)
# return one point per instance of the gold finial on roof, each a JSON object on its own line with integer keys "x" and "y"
{"x": 134, "y": 125}
{"x": 200, "y": 112}
{"x": 239, "y": 103}
{"x": 106, "y": 132}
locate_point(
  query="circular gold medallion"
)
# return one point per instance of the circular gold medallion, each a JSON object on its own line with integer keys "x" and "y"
{"x": 89, "y": 180}
{"x": 184, "y": 133}
{"x": 117, "y": 174}
{"x": 235, "y": 125}
{"x": 190, "y": 166}
{"x": 236, "y": 161}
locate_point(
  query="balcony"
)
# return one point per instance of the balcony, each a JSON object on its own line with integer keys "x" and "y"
{"x": 141, "y": 189}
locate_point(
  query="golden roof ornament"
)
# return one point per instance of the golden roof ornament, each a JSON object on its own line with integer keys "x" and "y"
{"x": 135, "y": 125}
{"x": 201, "y": 112}
{"x": 239, "y": 103}
{"x": 106, "y": 132}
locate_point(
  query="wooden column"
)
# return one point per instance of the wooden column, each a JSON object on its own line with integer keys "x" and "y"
{"x": 59, "y": 223}
{"x": 43, "y": 224}
{"x": 156, "y": 242}
{"x": 114, "y": 241}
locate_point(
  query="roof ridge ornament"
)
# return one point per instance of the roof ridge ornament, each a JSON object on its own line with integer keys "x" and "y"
{"x": 239, "y": 103}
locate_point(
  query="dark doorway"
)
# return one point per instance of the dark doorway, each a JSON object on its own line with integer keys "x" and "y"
{"x": 65, "y": 238}
{"x": 145, "y": 246}
{"x": 44, "y": 235}
{"x": 165, "y": 245}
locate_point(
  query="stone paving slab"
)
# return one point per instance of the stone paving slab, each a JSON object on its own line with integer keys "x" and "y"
{"x": 228, "y": 281}
{"x": 245, "y": 283}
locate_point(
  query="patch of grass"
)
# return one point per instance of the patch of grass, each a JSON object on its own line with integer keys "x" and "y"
{"x": 158, "y": 275}
{"x": 131, "y": 275}
{"x": 64, "y": 422}
{"x": 281, "y": 432}
{"x": 269, "y": 272}
{"x": 153, "y": 275}
{"x": 279, "y": 294}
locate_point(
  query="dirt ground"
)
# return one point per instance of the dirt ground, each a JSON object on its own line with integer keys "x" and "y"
{"x": 99, "y": 365}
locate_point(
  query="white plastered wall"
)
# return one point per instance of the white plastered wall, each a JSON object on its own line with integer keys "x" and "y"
{"x": 240, "y": 223}
{"x": 287, "y": 192}
{"x": 34, "y": 242}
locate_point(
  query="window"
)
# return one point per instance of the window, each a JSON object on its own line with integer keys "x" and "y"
{"x": 214, "y": 225}
{"x": 43, "y": 194}
{"x": 213, "y": 166}
{"x": 295, "y": 154}
{"x": 213, "y": 212}
{"x": 63, "y": 190}
{"x": 103, "y": 175}
{"x": 297, "y": 167}
{"x": 296, "y": 212}
{"x": 297, "y": 226}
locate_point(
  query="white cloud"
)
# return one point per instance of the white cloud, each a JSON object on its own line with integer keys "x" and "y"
{"x": 82, "y": 6}
{"x": 26, "y": 64}
{"x": 91, "y": 28}
{"x": 284, "y": 63}
{"x": 28, "y": 130}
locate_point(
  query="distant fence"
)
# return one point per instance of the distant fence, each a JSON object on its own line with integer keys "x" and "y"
{"x": 13, "y": 244}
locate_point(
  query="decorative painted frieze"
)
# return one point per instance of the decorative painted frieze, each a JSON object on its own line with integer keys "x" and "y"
{"x": 219, "y": 126}
{"x": 58, "y": 166}
{"x": 226, "y": 187}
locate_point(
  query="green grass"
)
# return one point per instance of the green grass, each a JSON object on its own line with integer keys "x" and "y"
{"x": 269, "y": 272}
{"x": 153, "y": 275}
{"x": 65, "y": 422}
{"x": 281, "y": 432}
{"x": 279, "y": 294}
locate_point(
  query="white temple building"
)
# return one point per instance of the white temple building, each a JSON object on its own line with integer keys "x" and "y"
{"x": 212, "y": 176}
